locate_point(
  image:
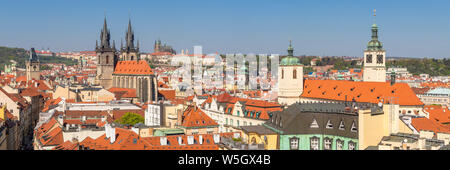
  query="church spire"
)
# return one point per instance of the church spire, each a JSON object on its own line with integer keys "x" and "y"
{"x": 374, "y": 44}
{"x": 290, "y": 49}
{"x": 33, "y": 56}
{"x": 121, "y": 44}
{"x": 105, "y": 36}
{"x": 129, "y": 36}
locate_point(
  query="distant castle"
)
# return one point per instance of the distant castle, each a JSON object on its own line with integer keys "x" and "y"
{"x": 158, "y": 47}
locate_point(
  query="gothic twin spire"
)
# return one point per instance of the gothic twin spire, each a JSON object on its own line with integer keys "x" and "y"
{"x": 105, "y": 37}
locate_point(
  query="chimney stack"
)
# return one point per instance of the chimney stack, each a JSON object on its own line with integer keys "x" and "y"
{"x": 393, "y": 78}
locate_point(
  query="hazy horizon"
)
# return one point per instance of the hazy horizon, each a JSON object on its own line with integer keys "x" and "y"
{"x": 414, "y": 29}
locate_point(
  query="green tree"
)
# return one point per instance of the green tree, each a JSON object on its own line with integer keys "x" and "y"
{"x": 130, "y": 119}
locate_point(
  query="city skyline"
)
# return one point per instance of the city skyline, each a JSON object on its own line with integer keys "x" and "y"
{"x": 323, "y": 28}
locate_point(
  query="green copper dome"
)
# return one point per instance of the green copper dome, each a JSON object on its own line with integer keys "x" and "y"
{"x": 290, "y": 60}
{"x": 374, "y": 44}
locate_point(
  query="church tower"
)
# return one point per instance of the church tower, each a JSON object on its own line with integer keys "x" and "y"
{"x": 374, "y": 69}
{"x": 33, "y": 66}
{"x": 290, "y": 78}
{"x": 106, "y": 58}
{"x": 129, "y": 52}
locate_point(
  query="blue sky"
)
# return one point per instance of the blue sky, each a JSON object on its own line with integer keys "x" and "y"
{"x": 408, "y": 28}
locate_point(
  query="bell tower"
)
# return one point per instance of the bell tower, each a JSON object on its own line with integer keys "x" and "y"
{"x": 129, "y": 52}
{"x": 33, "y": 66}
{"x": 106, "y": 58}
{"x": 374, "y": 69}
{"x": 290, "y": 78}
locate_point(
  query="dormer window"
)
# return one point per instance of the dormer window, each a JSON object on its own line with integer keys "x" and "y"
{"x": 354, "y": 128}
{"x": 314, "y": 124}
{"x": 341, "y": 125}
{"x": 329, "y": 125}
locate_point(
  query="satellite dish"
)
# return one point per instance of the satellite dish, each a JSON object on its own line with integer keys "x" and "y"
{"x": 380, "y": 104}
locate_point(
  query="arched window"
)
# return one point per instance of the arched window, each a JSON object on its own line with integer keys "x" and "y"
{"x": 132, "y": 57}
{"x": 294, "y": 74}
{"x": 282, "y": 73}
{"x": 107, "y": 59}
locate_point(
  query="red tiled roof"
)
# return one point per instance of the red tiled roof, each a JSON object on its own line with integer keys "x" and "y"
{"x": 366, "y": 92}
{"x": 123, "y": 92}
{"x": 438, "y": 121}
{"x": 168, "y": 94}
{"x": 140, "y": 67}
{"x": 195, "y": 117}
{"x": 50, "y": 133}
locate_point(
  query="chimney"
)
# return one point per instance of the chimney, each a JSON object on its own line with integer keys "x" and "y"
{"x": 163, "y": 140}
{"x": 393, "y": 78}
{"x": 190, "y": 140}
{"x": 180, "y": 140}
{"x": 216, "y": 138}
{"x": 179, "y": 117}
{"x": 112, "y": 134}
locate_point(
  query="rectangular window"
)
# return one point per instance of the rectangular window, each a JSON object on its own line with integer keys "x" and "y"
{"x": 327, "y": 144}
{"x": 351, "y": 145}
{"x": 379, "y": 59}
{"x": 314, "y": 141}
{"x": 294, "y": 143}
{"x": 369, "y": 58}
{"x": 339, "y": 145}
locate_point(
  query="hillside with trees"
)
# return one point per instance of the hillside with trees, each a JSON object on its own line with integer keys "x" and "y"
{"x": 20, "y": 55}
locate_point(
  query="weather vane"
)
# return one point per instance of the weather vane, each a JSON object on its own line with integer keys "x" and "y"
{"x": 375, "y": 12}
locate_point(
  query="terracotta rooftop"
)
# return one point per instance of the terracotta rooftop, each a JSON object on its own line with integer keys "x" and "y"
{"x": 195, "y": 117}
{"x": 365, "y": 92}
{"x": 140, "y": 67}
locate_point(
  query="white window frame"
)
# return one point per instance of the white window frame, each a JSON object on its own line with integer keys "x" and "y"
{"x": 314, "y": 143}
{"x": 294, "y": 143}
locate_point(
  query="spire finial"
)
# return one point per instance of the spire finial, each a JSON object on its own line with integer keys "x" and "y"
{"x": 374, "y": 16}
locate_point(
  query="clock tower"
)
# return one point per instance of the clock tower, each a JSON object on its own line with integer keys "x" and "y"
{"x": 374, "y": 69}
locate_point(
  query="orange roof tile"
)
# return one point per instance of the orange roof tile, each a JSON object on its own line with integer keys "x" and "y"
{"x": 365, "y": 92}
{"x": 168, "y": 94}
{"x": 195, "y": 117}
{"x": 140, "y": 67}
{"x": 123, "y": 92}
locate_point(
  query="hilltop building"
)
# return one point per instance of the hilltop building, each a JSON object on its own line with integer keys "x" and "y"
{"x": 160, "y": 49}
